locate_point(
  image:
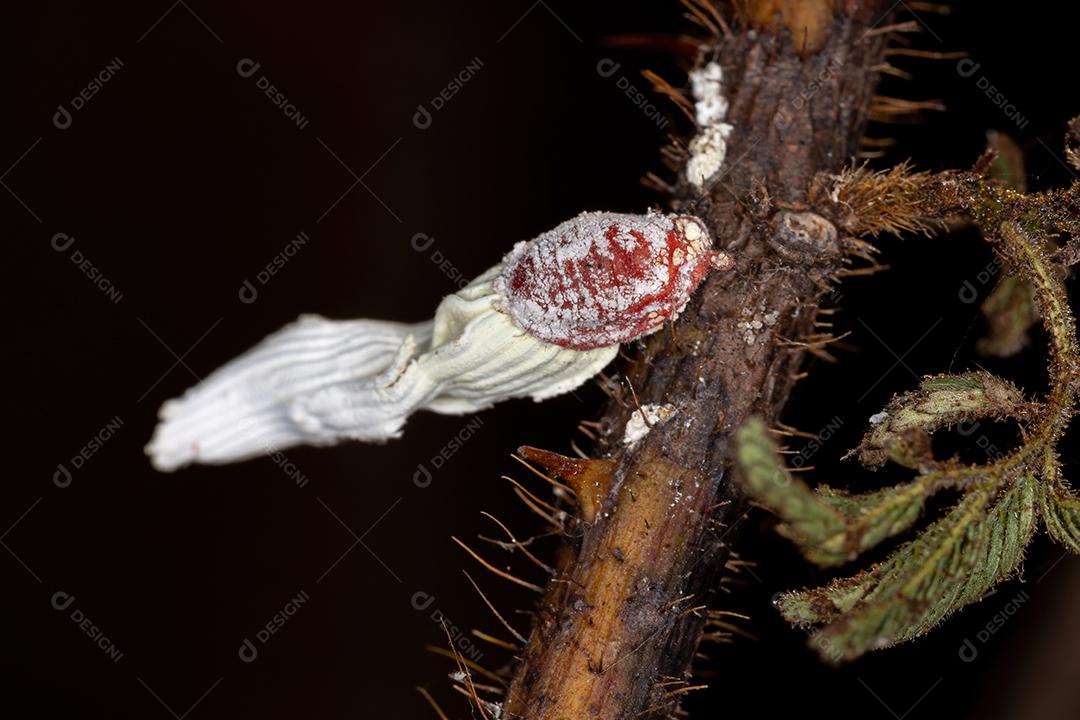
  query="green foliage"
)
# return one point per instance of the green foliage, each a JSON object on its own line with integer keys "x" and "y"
{"x": 903, "y": 434}
{"x": 818, "y": 528}
{"x": 1010, "y": 309}
{"x": 960, "y": 556}
{"x": 1010, "y": 313}
{"x": 1060, "y": 509}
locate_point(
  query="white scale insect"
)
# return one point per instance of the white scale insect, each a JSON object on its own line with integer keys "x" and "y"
{"x": 539, "y": 324}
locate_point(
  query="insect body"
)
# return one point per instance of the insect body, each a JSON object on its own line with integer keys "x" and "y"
{"x": 606, "y": 278}
{"x": 539, "y": 324}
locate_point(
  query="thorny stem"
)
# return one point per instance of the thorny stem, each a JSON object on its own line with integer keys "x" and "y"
{"x": 619, "y": 626}
{"x": 611, "y": 638}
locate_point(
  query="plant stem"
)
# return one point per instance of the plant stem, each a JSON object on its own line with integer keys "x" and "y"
{"x": 626, "y": 610}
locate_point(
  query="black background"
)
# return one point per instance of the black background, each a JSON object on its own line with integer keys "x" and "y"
{"x": 179, "y": 180}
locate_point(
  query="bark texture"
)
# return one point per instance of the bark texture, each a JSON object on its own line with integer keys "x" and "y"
{"x": 625, "y": 613}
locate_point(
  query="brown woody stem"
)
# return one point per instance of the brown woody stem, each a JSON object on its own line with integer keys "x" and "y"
{"x": 624, "y": 612}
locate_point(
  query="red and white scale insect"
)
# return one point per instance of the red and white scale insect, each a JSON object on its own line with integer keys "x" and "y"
{"x": 606, "y": 278}
{"x": 542, "y": 322}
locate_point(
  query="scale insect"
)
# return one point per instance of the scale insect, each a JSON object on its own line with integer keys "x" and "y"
{"x": 547, "y": 318}
{"x": 606, "y": 278}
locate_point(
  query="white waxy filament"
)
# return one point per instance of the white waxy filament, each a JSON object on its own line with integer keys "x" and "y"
{"x": 319, "y": 381}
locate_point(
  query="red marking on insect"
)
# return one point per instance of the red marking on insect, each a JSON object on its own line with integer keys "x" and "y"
{"x": 603, "y": 278}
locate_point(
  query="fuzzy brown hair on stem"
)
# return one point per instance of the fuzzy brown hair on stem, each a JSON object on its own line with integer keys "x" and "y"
{"x": 962, "y": 555}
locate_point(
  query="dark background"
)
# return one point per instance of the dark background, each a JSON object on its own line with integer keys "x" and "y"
{"x": 179, "y": 180}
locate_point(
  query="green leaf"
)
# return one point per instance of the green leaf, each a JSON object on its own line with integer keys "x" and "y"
{"x": 1008, "y": 164}
{"x": 1061, "y": 513}
{"x": 1010, "y": 313}
{"x": 824, "y": 604}
{"x": 1011, "y": 526}
{"x": 953, "y": 563}
{"x": 917, "y": 583}
{"x": 812, "y": 524}
{"x": 875, "y": 516}
{"x": 829, "y": 526}
{"x": 902, "y": 433}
